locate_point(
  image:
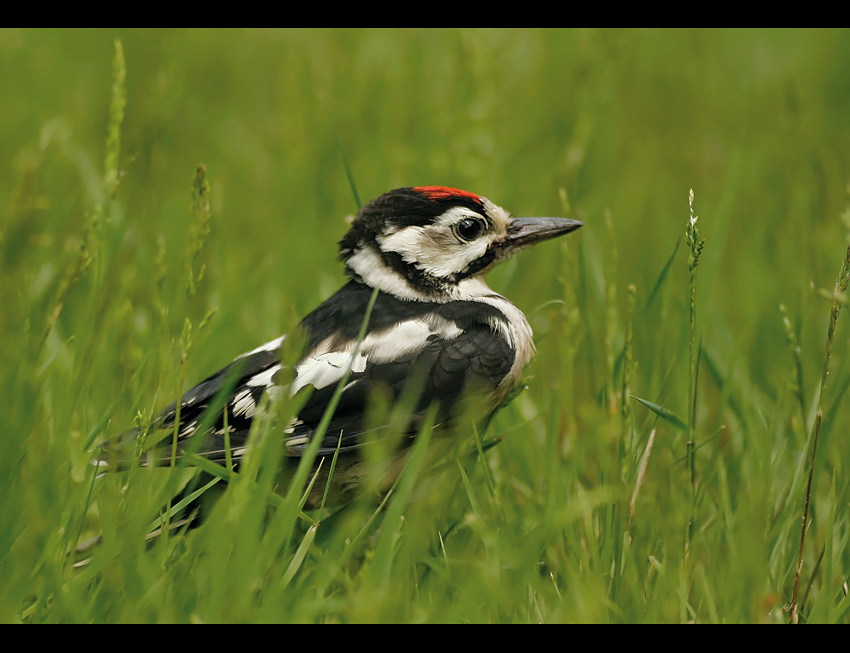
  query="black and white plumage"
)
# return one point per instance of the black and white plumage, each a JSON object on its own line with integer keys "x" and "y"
{"x": 427, "y": 250}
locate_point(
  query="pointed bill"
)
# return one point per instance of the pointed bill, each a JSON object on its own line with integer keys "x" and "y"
{"x": 527, "y": 231}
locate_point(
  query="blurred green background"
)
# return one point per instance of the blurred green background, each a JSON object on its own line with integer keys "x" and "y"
{"x": 627, "y": 121}
{"x": 624, "y": 122}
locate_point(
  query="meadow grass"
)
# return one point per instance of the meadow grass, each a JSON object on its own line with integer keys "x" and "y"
{"x": 173, "y": 198}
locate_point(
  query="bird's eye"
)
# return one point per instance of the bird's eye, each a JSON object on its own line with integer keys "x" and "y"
{"x": 469, "y": 229}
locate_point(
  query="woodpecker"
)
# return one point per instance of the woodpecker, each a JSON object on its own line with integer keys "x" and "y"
{"x": 426, "y": 250}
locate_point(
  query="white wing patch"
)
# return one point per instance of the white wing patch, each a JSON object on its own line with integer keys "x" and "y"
{"x": 269, "y": 346}
{"x": 407, "y": 337}
{"x": 321, "y": 370}
{"x": 324, "y": 366}
{"x": 188, "y": 429}
{"x": 263, "y": 378}
{"x": 243, "y": 404}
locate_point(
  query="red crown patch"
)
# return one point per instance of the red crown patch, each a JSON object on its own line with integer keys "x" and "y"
{"x": 435, "y": 193}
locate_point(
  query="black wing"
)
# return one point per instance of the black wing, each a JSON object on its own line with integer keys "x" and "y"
{"x": 449, "y": 369}
{"x": 454, "y": 350}
{"x": 244, "y": 383}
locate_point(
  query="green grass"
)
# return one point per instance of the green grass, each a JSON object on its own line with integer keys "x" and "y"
{"x": 656, "y": 466}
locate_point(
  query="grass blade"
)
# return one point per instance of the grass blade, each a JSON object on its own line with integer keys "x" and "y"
{"x": 664, "y": 414}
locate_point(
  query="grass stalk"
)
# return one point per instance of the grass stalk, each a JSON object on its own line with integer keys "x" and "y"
{"x": 838, "y": 298}
{"x": 199, "y": 230}
{"x": 348, "y": 173}
{"x": 695, "y": 247}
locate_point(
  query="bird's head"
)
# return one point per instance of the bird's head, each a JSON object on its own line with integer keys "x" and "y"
{"x": 432, "y": 243}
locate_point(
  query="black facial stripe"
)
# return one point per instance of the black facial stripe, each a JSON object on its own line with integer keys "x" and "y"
{"x": 417, "y": 277}
{"x": 477, "y": 265}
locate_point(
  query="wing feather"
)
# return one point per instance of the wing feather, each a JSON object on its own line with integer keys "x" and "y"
{"x": 453, "y": 362}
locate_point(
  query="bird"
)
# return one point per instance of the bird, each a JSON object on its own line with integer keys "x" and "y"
{"x": 419, "y": 256}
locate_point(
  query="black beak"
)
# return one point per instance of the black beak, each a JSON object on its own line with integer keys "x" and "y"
{"x": 527, "y": 231}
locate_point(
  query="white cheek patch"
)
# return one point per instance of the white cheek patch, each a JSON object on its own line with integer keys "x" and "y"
{"x": 434, "y": 249}
{"x": 446, "y": 262}
{"x": 407, "y": 242}
{"x": 368, "y": 265}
